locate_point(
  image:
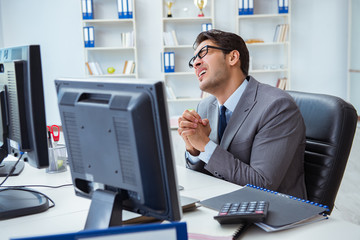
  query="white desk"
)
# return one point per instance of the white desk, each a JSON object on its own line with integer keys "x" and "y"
{"x": 70, "y": 212}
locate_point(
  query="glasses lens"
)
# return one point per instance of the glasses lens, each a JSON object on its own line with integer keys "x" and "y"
{"x": 202, "y": 53}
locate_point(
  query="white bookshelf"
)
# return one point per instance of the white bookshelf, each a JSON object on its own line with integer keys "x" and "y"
{"x": 269, "y": 60}
{"x": 187, "y": 25}
{"x": 109, "y": 50}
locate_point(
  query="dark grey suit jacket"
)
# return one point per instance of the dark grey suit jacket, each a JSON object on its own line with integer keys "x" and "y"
{"x": 263, "y": 143}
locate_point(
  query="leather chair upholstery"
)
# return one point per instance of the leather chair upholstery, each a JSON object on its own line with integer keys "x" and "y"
{"x": 330, "y": 127}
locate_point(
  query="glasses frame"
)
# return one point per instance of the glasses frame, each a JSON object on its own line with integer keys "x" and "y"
{"x": 192, "y": 60}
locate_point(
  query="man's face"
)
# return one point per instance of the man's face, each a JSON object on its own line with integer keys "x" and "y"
{"x": 211, "y": 70}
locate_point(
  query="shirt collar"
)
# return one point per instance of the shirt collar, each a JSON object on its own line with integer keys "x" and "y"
{"x": 233, "y": 100}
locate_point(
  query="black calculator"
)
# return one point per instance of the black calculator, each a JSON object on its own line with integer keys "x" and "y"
{"x": 254, "y": 211}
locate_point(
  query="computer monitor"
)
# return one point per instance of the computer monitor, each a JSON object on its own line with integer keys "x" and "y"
{"x": 23, "y": 131}
{"x": 119, "y": 148}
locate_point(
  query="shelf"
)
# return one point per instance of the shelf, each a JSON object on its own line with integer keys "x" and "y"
{"x": 188, "y": 19}
{"x": 113, "y": 75}
{"x": 263, "y": 16}
{"x": 179, "y": 73}
{"x": 268, "y": 70}
{"x": 129, "y": 20}
{"x": 109, "y": 48}
{"x": 178, "y": 46}
{"x": 267, "y": 44}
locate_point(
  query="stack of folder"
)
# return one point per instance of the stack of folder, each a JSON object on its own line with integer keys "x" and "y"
{"x": 206, "y": 27}
{"x": 169, "y": 62}
{"x": 89, "y": 36}
{"x": 246, "y": 7}
{"x": 87, "y": 9}
{"x": 283, "y": 6}
{"x": 125, "y": 8}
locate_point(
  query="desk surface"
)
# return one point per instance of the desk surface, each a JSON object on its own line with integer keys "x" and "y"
{"x": 70, "y": 212}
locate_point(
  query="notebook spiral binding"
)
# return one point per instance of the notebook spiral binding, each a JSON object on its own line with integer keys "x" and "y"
{"x": 288, "y": 196}
{"x": 243, "y": 227}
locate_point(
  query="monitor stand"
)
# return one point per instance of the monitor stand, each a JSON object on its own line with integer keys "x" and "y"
{"x": 105, "y": 210}
{"x": 16, "y": 203}
{"x": 6, "y": 166}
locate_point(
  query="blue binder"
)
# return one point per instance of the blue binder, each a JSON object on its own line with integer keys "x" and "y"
{"x": 89, "y": 8}
{"x": 246, "y": 7}
{"x": 172, "y": 62}
{"x": 286, "y": 6}
{"x": 241, "y": 7}
{"x": 251, "y": 7}
{"x": 143, "y": 231}
{"x": 91, "y": 37}
{"x": 120, "y": 9}
{"x": 130, "y": 8}
{"x": 125, "y": 8}
{"x": 84, "y": 10}
{"x": 166, "y": 62}
{"x": 86, "y": 36}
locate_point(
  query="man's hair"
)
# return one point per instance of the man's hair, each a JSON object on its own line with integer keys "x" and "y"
{"x": 227, "y": 40}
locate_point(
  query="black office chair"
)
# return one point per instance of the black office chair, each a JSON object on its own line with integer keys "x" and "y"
{"x": 330, "y": 128}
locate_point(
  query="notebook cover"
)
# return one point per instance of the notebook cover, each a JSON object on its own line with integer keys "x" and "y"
{"x": 283, "y": 209}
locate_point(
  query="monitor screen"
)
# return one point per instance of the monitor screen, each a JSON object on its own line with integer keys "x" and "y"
{"x": 119, "y": 148}
{"x": 23, "y": 132}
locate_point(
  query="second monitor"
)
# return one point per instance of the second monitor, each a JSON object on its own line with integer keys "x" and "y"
{"x": 119, "y": 148}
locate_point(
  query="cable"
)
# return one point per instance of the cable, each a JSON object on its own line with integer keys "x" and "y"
{"x": 25, "y": 187}
{"x": 13, "y": 169}
{"x": 44, "y": 186}
{"x": 30, "y": 190}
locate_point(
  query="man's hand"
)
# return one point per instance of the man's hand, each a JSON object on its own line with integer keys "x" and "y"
{"x": 191, "y": 125}
{"x": 201, "y": 136}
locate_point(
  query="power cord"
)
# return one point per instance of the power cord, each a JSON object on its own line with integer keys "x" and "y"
{"x": 35, "y": 186}
{"x": 12, "y": 169}
{"x": 25, "y": 187}
{"x": 29, "y": 190}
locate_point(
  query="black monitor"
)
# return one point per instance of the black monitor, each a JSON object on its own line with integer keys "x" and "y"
{"x": 23, "y": 131}
{"x": 119, "y": 148}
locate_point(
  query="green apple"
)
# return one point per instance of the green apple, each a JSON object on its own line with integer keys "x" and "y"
{"x": 111, "y": 70}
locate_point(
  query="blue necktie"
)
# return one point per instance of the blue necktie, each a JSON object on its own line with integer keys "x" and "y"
{"x": 222, "y": 121}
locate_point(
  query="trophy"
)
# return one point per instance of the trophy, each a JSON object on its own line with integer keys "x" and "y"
{"x": 200, "y": 4}
{"x": 169, "y": 5}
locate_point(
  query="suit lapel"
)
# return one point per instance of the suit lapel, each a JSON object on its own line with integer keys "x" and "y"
{"x": 213, "y": 116}
{"x": 242, "y": 110}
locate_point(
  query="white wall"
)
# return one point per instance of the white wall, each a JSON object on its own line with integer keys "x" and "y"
{"x": 319, "y": 46}
{"x": 1, "y": 31}
{"x": 319, "y": 40}
{"x": 56, "y": 26}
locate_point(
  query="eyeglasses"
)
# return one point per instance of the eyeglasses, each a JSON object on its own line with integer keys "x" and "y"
{"x": 202, "y": 53}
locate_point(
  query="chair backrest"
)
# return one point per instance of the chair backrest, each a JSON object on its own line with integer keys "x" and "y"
{"x": 330, "y": 127}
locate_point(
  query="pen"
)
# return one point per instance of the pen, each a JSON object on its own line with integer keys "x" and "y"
{"x": 49, "y": 139}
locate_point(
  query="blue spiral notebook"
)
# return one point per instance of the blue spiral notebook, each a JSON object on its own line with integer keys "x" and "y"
{"x": 284, "y": 211}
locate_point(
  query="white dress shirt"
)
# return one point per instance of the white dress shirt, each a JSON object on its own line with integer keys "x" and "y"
{"x": 230, "y": 105}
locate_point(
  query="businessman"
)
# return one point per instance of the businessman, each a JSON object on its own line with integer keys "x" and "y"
{"x": 246, "y": 131}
